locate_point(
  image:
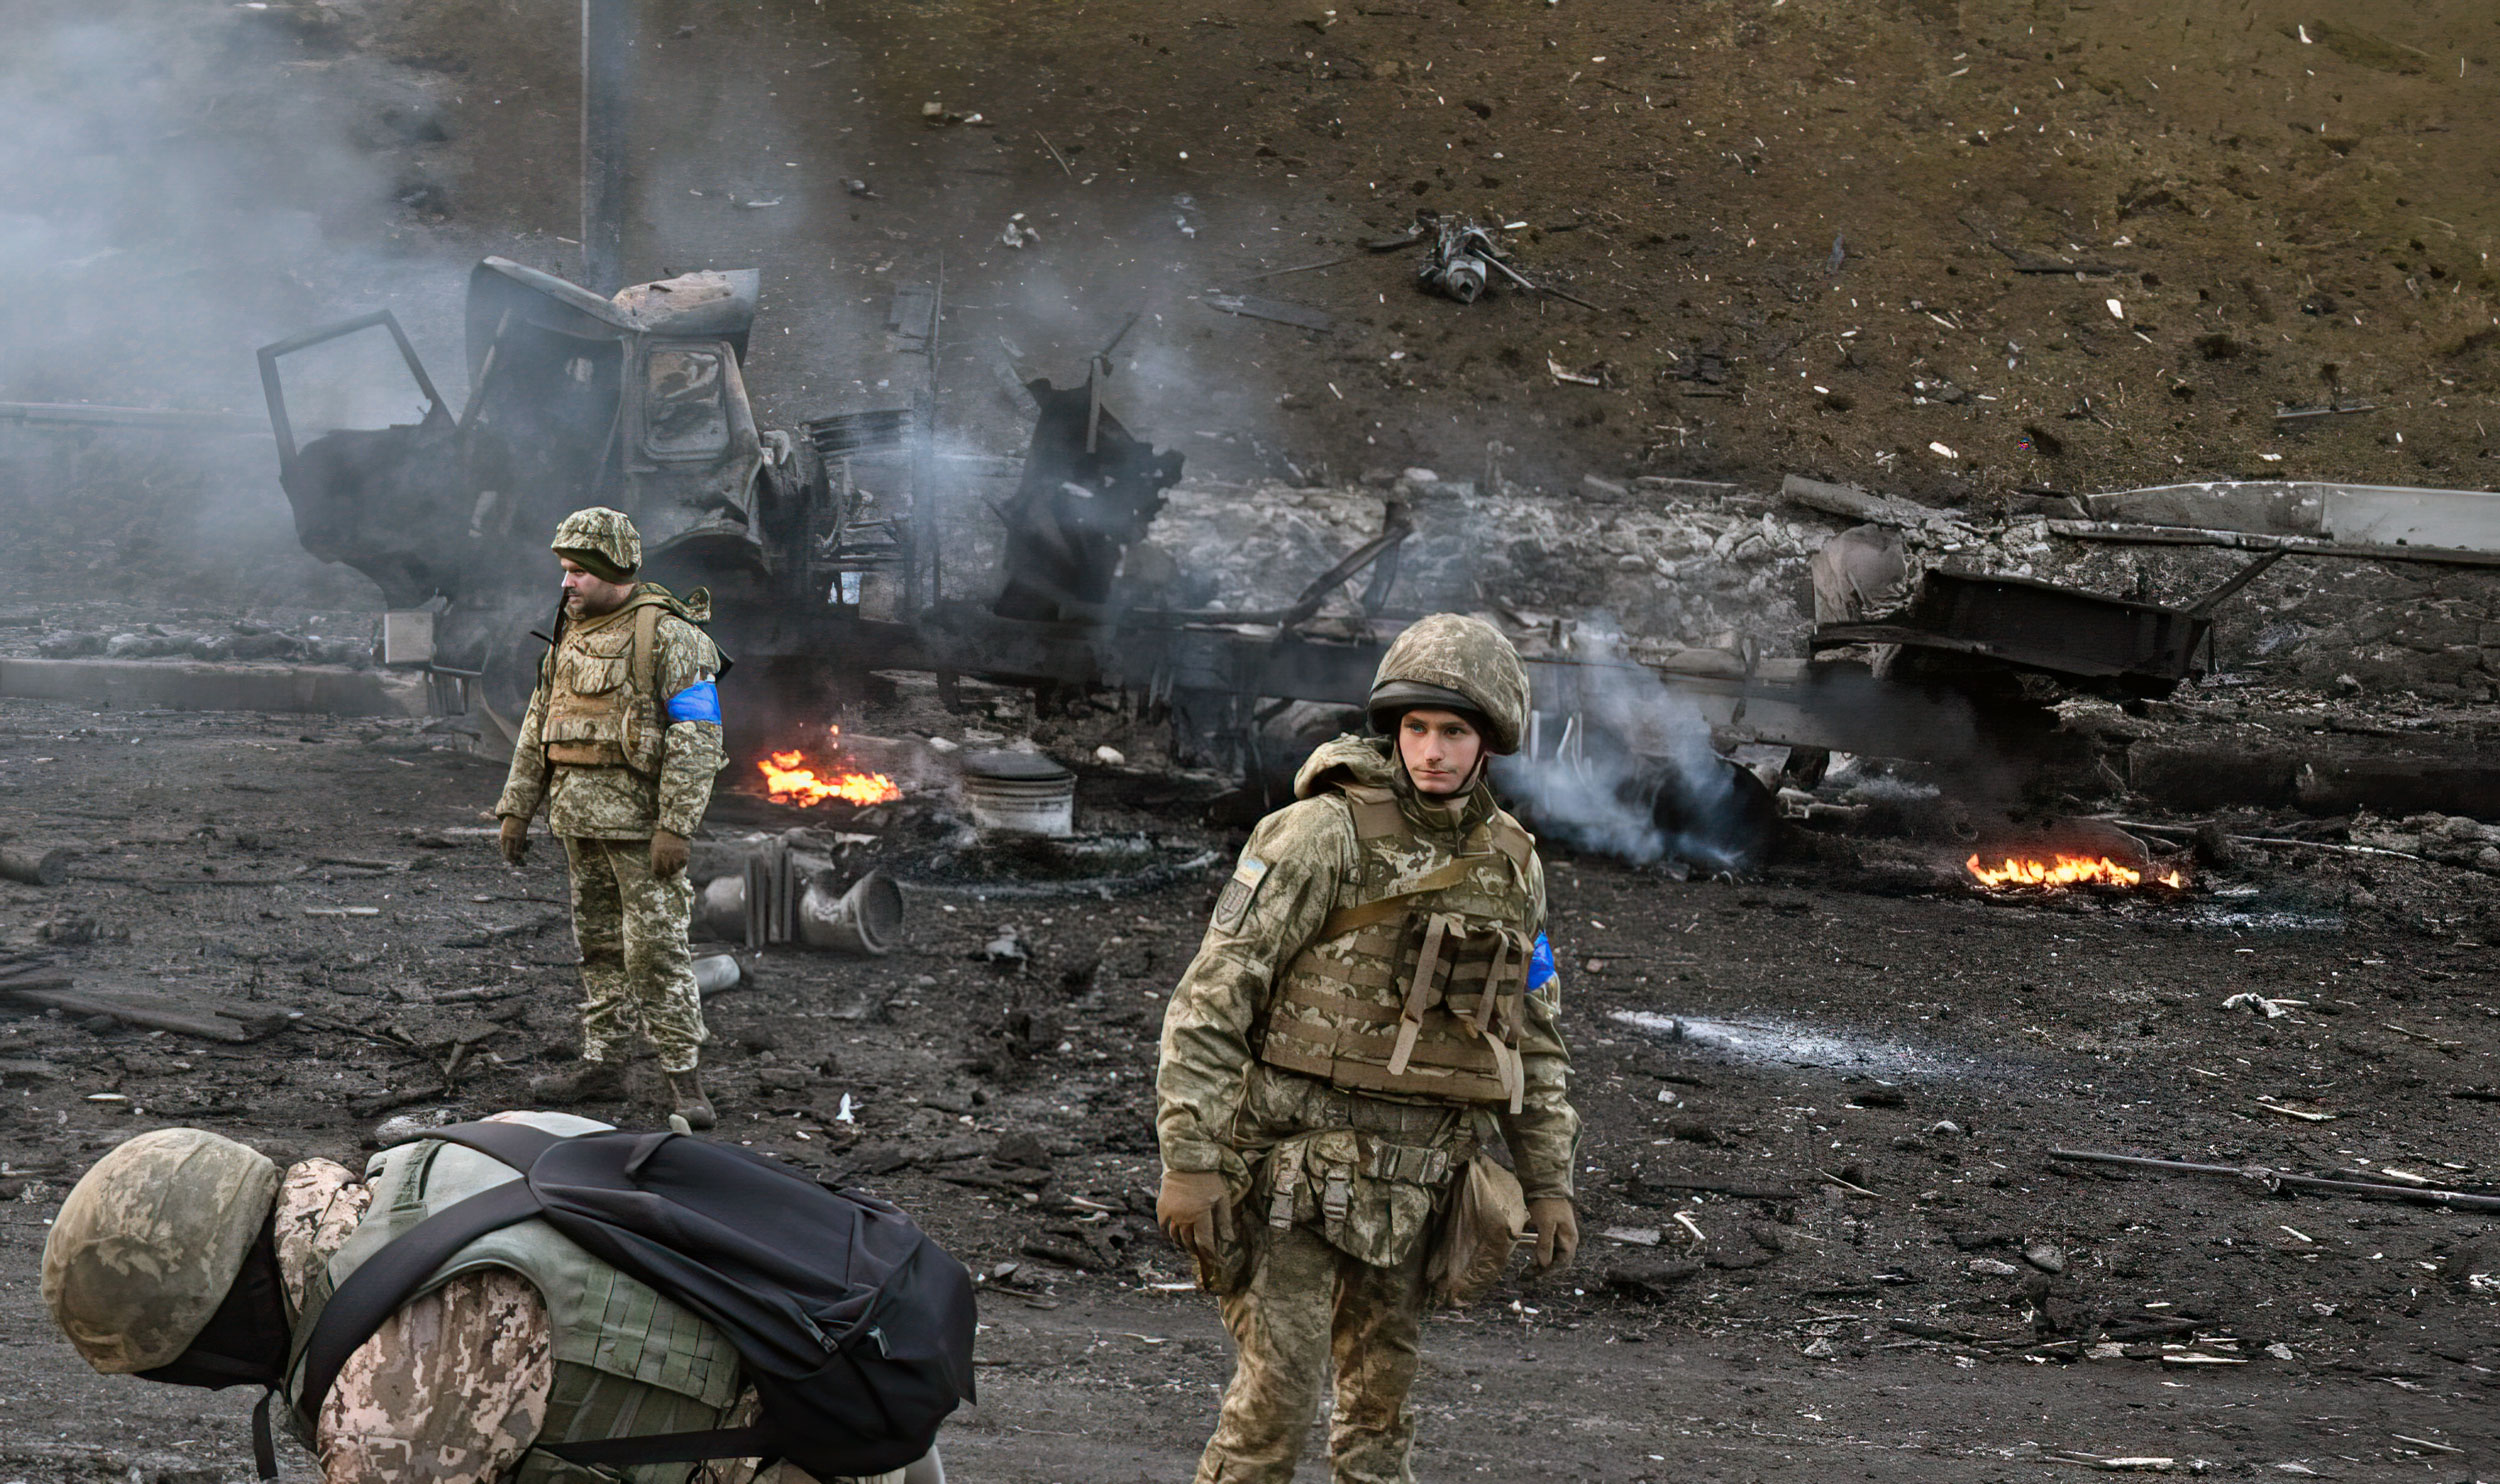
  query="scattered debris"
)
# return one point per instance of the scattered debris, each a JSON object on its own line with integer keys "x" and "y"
{"x": 2141, "y": 648}
{"x": 714, "y": 973}
{"x": 1464, "y": 258}
{"x": 2276, "y": 1180}
{"x": 2123, "y": 1465}
{"x": 148, "y": 1012}
{"x": 1251, "y": 306}
{"x": 1006, "y": 950}
{"x": 34, "y": 867}
{"x": 2391, "y": 521}
{"x": 1461, "y": 260}
{"x": 2335, "y": 409}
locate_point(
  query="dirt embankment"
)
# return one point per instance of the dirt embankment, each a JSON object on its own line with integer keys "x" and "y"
{"x": 2284, "y": 210}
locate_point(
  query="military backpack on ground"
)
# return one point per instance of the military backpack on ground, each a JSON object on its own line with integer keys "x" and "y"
{"x": 853, "y": 1327}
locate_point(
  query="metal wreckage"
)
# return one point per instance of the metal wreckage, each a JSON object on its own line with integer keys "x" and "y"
{"x": 640, "y": 402}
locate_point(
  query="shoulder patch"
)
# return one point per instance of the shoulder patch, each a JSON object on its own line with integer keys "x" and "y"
{"x": 1541, "y": 965}
{"x": 1234, "y": 904}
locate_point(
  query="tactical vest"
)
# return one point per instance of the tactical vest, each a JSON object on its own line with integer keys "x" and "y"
{"x": 628, "y": 1360}
{"x": 600, "y": 710}
{"x": 1420, "y": 991}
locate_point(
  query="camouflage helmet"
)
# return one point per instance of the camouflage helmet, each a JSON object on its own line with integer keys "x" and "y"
{"x": 1451, "y": 662}
{"x": 602, "y": 540}
{"x": 149, "y": 1241}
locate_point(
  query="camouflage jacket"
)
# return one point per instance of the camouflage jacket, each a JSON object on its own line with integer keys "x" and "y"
{"x": 618, "y": 803}
{"x": 453, "y": 1388}
{"x": 1309, "y": 855}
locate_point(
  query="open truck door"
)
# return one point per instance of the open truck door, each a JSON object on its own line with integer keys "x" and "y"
{"x": 371, "y": 497}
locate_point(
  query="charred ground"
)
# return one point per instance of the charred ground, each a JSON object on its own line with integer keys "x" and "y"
{"x": 1779, "y": 1036}
{"x": 2304, "y": 206}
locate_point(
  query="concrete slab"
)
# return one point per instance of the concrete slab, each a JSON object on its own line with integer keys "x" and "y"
{"x": 189, "y": 685}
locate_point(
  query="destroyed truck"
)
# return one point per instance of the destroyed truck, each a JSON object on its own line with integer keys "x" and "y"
{"x": 640, "y": 402}
{"x": 637, "y": 402}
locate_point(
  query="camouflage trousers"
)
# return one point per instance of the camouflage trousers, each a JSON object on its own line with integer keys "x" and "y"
{"x": 1305, "y": 1304}
{"x": 637, "y": 970}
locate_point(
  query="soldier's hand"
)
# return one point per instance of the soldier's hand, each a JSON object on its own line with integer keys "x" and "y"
{"x": 515, "y": 839}
{"x": 668, "y": 853}
{"x": 1557, "y": 1231}
{"x": 1195, "y": 1210}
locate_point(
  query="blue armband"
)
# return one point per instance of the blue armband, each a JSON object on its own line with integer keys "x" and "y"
{"x": 697, "y": 702}
{"x": 1541, "y": 965}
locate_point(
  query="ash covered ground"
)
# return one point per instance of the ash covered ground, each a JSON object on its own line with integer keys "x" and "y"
{"x": 330, "y": 884}
{"x": 2291, "y": 212}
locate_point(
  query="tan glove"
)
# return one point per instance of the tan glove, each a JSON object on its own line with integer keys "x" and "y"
{"x": 1195, "y": 1210}
{"x": 1557, "y": 1231}
{"x": 515, "y": 839}
{"x": 668, "y": 853}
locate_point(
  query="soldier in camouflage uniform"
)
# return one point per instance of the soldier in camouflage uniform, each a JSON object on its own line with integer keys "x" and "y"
{"x": 1374, "y": 1002}
{"x": 184, "y": 1256}
{"x": 622, "y": 739}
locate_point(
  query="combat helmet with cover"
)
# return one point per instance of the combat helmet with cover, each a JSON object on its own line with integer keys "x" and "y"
{"x": 1452, "y": 662}
{"x": 602, "y": 540}
{"x": 150, "y": 1243}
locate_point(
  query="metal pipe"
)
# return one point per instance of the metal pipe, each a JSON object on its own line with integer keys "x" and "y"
{"x": 607, "y": 62}
{"x": 2277, "y": 1180}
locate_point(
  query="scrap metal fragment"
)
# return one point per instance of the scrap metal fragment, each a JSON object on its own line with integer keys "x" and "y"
{"x": 1251, "y": 306}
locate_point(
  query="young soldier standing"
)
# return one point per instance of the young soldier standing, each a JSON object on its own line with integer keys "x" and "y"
{"x": 1373, "y": 1001}
{"x": 622, "y": 739}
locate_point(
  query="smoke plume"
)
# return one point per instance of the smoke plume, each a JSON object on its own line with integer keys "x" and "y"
{"x": 1630, "y": 771}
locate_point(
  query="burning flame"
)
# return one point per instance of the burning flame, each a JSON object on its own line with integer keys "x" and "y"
{"x": 2068, "y": 870}
{"x": 791, "y": 779}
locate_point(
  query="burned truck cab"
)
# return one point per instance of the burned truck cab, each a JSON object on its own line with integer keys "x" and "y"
{"x": 637, "y": 402}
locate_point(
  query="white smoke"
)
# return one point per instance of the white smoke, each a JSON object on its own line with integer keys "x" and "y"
{"x": 1629, "y": 770}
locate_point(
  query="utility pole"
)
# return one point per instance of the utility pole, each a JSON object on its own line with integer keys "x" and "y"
{"x": 607, "y": 69}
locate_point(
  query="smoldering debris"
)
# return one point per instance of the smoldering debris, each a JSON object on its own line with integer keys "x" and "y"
{"x": 1632, "y": 773}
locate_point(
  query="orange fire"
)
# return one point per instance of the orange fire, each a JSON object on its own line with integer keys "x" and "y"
{"x": 789, "y": 778}
{"x": 2068, "y": 870}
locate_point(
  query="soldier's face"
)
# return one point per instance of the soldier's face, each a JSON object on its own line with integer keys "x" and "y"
{"x": 587, "y": 594}
{"x": 1440, "y": 750}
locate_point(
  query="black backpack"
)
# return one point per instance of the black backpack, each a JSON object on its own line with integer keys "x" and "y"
{"x": 853, "y": 1327}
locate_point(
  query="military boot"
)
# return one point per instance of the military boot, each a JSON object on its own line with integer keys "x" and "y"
{"x": 589, "y": 1080}
{"x": 685, "y": 1090}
